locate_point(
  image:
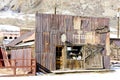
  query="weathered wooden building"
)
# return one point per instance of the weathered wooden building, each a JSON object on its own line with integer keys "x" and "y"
{"x": 115, "y": 49}
{"x": 71, "y": 42}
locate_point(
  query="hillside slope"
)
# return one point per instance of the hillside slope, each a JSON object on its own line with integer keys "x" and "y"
{"x": 96, "y": 8}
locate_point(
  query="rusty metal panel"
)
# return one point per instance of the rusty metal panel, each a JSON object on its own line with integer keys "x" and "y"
{"x": 21, "y": 56}
{"x": 27, "y": 55}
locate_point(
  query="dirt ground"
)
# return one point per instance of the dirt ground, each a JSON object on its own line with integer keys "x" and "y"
{"x": 10, "y": 71}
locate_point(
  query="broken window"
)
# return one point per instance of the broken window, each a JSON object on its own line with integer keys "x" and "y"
{"x": 10, "y": 37}
{"x": 15, "y": 37}
{"x": 74, "y": 52}
{"x": 5, "y": 37}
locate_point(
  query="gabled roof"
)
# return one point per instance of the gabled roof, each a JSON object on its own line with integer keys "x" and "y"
{"x": 24, "y": 38}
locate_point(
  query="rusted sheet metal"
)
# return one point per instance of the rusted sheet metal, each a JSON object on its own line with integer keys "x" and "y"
{"x": 78, "y": 30}
{"x": 21, "y": 56}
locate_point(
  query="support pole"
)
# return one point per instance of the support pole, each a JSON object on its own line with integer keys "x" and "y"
{"x": 118, "y": 16}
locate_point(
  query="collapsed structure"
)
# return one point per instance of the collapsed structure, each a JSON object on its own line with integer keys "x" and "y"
{"x": 19, "y": 58}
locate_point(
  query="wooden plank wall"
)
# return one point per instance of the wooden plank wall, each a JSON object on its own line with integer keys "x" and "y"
{"x": 79, "y": 30}
{"x": 115, "y": 49}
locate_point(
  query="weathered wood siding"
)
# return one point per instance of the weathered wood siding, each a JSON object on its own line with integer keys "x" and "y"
{"x": 115, "y": 49}
{"x": 79, "y": 30}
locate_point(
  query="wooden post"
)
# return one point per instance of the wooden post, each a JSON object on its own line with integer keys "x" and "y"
{"x": 118, "y": 29}
{"x": 55, "y": 9}
{"x": 118, "y": 15}
{"x": 108, "y": 44}
{"x": 14, "y": 67}
{"x": 64, "y": 57}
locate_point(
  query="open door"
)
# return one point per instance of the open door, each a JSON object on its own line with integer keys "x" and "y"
{"x": 59, "y": 57}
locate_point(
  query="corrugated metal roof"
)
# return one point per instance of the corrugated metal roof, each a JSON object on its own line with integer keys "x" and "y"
{"x": 22, "y": 38}
{"x": 25, "y": 44}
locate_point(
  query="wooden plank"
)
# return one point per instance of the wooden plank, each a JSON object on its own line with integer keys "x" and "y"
{"x": 23, "y": 58}
{"x": 77, "y": 22}
{"x": 46, "y": 42}
{"x": 39, "y": 22}
{"x": 108, "y": 44}
{"x": 61, "y": 23}
{"x": 90, "y": 38}
{"x": 54, "y": 22}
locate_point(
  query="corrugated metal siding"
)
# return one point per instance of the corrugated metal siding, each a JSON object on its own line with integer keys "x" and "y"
{"x": 23, "y": 57}
{"x": 50, "y": 27}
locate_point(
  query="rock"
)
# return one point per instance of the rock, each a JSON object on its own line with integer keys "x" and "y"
{"x": 95, "y": 8}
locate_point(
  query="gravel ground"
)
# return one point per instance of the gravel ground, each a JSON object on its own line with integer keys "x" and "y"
{"x": 71, "y": 76}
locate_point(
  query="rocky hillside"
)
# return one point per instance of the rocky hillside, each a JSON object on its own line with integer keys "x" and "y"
{"x": 97, "y": 8}
{"x": 76, "y": 7}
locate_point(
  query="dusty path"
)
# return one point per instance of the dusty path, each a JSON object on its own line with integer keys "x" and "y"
{"x": 71, "y": 76}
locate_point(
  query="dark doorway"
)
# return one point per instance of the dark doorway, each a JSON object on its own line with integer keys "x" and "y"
{"x": 59, "y": 59}
{"x": 1, "y": 58}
